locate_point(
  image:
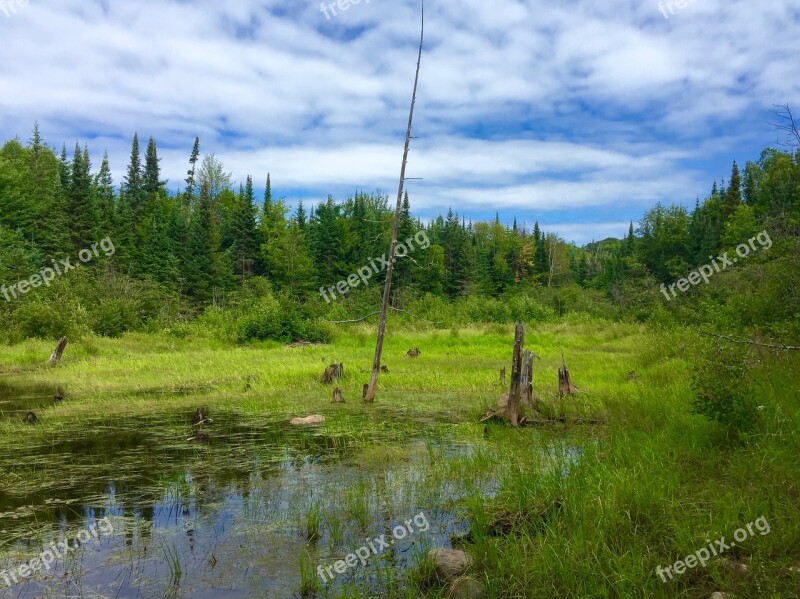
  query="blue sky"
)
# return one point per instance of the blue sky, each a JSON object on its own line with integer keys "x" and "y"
{"x": 578, "y": 114}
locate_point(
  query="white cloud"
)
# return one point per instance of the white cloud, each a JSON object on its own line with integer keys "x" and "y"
{"x": 524, "y": 105}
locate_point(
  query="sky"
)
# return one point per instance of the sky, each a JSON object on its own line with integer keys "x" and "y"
{"x": 578, "y": 114}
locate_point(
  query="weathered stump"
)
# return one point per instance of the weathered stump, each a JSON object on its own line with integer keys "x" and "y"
{"x": 337, "y": 396}
{"x": 333, "y": 373}
{"x": 514, "y": 395}
{"x": 200, "y": 417}
{"x": 55, "y": 357}
{"x": 565, "y": 386}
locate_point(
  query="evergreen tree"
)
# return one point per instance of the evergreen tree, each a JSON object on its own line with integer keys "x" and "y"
{"x": 190, "y": 179}
{"x": 80, "y": 201}
{"x": 132, "y": 193}
{"x": 104, "y": 184}
{"x": 733, "y": 197}
{"x": 244, "y": 248}
{"x": 151, "y": 181}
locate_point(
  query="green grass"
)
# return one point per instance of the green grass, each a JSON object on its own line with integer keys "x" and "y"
{"x": 647, "y": 486}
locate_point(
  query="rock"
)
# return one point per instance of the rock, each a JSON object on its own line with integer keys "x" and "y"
{"x": 308, "y": 420}
{"x": 735, "y": 567}
{"x": 449, "y": 563}
{"x": 719, "y": 595}
{"x": 466, "y": 587}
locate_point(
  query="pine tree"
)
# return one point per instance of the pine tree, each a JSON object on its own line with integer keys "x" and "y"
{"x": 243, "y": 249}
{"x": 190, "y": 179}
{"x": 300, "y": 216}
{"x": 104, "y": 184}
{"x": 202, "y": 265}
{"x": 132, "y": 186}
{"x": 151, "y": 181}
{"x": 733, "y": 197}
{"x": 80, "y": 204}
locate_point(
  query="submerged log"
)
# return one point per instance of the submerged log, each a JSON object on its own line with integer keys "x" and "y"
{"x": 55, "y": 357}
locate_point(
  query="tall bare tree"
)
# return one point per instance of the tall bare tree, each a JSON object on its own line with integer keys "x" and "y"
{"x": 788, "y": 124}
{"x": 369, "y": 395}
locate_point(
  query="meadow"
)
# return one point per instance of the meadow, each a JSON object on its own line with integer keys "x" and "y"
{"x": 559, "y": 509}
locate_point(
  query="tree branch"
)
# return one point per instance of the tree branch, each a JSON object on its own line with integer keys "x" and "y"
{"x": 751, "y": 342}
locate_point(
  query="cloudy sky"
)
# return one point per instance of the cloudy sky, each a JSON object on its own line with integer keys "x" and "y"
{"x": 577, "y": 113}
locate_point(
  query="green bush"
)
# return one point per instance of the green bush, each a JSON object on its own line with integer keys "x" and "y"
{"x": 112, "y": 317}
{"x": 723, "y": 386}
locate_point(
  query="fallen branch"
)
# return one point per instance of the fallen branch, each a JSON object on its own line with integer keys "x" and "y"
{"x": 751, "y": 342}
{"x": 370, "y": 315}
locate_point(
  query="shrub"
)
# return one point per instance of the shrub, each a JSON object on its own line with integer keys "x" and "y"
{"x": 723, "y": 387}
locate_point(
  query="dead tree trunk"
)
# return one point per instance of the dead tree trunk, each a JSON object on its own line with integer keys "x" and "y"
{"x": 372, "y": 388}
{"x": 512, "y": 409}
{"x": 565, "y": 386}
{"x": 55, "y": 357}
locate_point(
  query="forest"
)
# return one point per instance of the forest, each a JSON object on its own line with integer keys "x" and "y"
{"x": 253, "y": 268}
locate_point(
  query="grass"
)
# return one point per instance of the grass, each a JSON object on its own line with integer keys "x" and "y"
{"x": 649, "y": 485}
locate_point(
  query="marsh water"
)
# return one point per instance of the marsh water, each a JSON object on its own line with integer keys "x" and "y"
{"x": 230, "y": 517}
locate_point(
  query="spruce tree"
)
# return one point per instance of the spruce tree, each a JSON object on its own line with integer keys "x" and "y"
{"x": 80, "y": 201}
{"x": 733, "y": 197}
{"x": 191, "y": 173}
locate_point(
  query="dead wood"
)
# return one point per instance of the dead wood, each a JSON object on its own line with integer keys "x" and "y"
{"x": 565, "y": 386}
{"x": 55, "y": 357}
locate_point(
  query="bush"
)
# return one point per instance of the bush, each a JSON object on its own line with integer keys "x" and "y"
{"x": 723, "y": 387}
{"x": 112, "y": 317}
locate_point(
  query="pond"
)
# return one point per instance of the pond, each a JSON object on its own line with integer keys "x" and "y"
{"x": 240, "y": 516}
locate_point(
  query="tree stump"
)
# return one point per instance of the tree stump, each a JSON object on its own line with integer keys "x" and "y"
{"x": 55, "y": 357}
{"x": 503, "y": 377}
{"x": 333, "y": 373}
{"x": 565, "y": 386}
{"x": 514, "y": 395}
{"x": 200, "y": 417}
{"x": 337, "y": 396}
